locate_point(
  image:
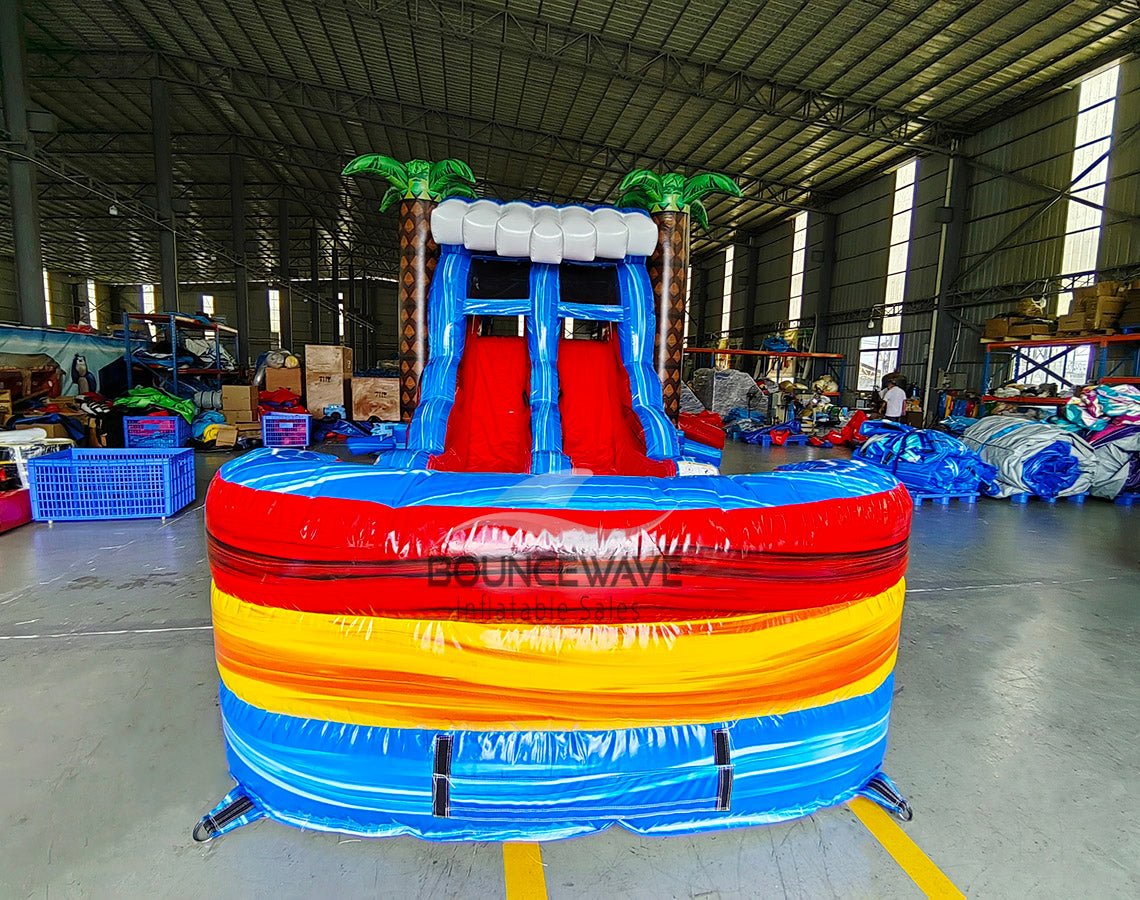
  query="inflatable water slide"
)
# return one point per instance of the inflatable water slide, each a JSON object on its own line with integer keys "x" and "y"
{"x": 547, "y": 613}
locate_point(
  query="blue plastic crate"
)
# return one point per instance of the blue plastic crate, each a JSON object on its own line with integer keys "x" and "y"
{"x": 285, "y": 430}
{"x": 80, "y": 485}
{"x": 149, "y": 432}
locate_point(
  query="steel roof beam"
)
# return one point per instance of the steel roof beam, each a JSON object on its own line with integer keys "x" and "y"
{"x": 482, "y": 25}
{"x": 277, "y": 91}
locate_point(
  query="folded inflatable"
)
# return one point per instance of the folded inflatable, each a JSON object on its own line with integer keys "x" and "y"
{"x": 543, "y": 615}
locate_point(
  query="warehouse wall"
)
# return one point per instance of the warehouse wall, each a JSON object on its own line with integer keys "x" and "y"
{"x": 1038, "y": 144}
{"x": 9, "y": 302}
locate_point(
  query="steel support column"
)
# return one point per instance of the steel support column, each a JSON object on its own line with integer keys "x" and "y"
{"x": 21, "y": 169}
{"x": 315, "y": 279}
{"x": 164, "y": 192}
{"x": 241, "y": 276}
{"x": 337, "y": 337}
{"x": 825, "y": 272}
{"x": 751, "y": 276}
{"x": 949, "y": 258}
{"x": 283, "y": 265}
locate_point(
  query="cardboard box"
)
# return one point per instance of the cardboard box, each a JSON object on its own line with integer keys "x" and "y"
{"x": 1106, "y": 313}
{"x": 292, "y": 380}
{"x": 239, "y": 396}
{"x": 1107, "y": 288}
{"x": 1029, "y": 329}
{"x": 996, "y": 328}
{"x": 324, "y": 389}
{"x": 376, "y": 398}
{"x": 6, "y": 407}
{"x": 1072, "y": 323}
{"x": 328, "y": 358}
{"x": 53, "y": 431}
{"x": 239, "y": 416}
{"x": 228, "y": 435}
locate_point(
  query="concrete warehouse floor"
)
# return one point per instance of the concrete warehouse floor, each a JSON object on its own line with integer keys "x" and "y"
{"x": 1014, "y": 731}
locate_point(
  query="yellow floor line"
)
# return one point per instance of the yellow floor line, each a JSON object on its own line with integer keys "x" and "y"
{"x": 524, "y": 872}
{"x": 930, "y": 879}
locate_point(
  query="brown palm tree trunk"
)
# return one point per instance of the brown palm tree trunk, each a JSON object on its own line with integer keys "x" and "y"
{"x": 419, "y": 254}
{"x": 667, "y": 268}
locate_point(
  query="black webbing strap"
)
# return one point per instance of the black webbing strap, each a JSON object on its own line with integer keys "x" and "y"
{"x": 722, "y": 758}
{"x": 441, "y": 776}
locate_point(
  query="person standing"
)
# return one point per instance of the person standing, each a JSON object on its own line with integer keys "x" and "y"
{"x": 895, "y": 401}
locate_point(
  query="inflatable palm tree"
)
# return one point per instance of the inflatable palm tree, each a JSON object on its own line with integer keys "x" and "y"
{"x": 418, "y": 185}
{"x": 670, "y": 199}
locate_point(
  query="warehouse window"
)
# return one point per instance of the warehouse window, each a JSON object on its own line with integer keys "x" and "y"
{"x": 340, "y": 314}
{"x": 900, "y": 246}
{"x": 92, "y": 305}
{"x": 1095, "y": 111}
{"x": 147, "y": 294}
{"x": 47, "y": 298}
{"x": 879, "y": 354}
{"x": 726, "y": 299}
{"x": 568, "y": 328}
{"x": 208, "y": 304}
{"x": 799, "y": 263}
{"x": 275, "y": 317}
{"x": 688, "y": 304}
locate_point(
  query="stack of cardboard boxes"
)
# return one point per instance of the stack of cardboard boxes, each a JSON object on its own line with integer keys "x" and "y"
{"x": 239, "y": 407}
{"x": 6, "y": 408}
{"x": 291, "y": 380}
{"x": 1096, "y": 308}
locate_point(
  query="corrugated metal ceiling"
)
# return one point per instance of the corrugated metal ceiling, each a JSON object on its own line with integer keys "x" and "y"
{"x": 549, "y": 99}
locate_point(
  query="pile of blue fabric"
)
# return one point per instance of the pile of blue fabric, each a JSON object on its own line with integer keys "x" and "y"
{"x": 1033, "y": 458}
{"x": 927, "y": 462}
{"x": 754, "y": 436}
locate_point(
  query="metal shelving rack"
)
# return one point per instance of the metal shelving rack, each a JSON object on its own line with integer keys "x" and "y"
{"x": 173, "y": 323}
{"x": 1100, "y": 363}
{"x": 835, "y": 362}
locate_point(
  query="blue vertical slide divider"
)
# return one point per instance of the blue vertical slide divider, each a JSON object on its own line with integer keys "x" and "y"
{"x": 544, "y": 329}
{"x": 635, "y": 334}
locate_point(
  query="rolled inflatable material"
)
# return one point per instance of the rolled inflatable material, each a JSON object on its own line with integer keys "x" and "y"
{"x": 927, "y": 462}
{"x": 1032, "y": 457}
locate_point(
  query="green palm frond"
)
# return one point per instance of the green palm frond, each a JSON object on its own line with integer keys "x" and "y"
{"x": 451, "y": 169}
{"x": 697, "y": 211}
{"x": 645, "y": 180}
{"x": 636, "y": 197}
{"x": 392, "y": 195}
{"x": 457, "y": 190}
{"x": 699, "y": 186}
{"x": 378, "y": 164}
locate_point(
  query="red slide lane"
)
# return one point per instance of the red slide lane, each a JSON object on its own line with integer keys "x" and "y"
{"x": 600, "y": 430}
{"x": 489, "y": 426}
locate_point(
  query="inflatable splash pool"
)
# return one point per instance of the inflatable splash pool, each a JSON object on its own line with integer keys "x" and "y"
{"x": 547, "y": 614}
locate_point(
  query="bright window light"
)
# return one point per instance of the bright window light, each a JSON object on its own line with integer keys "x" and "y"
{"x": 522, "y": 326}
{"x": 903, "y": 208}
{"x": 568, "y": 328}
{"x": 340, "y": 313}
{"x": 799, "y": 263}
{"x": 147, "y": 298}
{"x": 726, "y": 300}
{"x": 688, "y": 304}
{"x": 275, "y": 316}
{"x": 47, "y": 298}
{"x": 92, "y": 306}
{"x": 1095, "y": 112}
{"x": 208, "y": 304}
